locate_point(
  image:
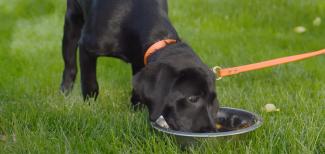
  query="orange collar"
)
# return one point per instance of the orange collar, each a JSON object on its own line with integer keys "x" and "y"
{"x": 157, "y": 46}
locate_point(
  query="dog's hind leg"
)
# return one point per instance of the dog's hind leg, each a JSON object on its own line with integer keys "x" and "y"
{"x": 163, "y": 4}
{"x": 72, "y": 30}
{"x": 89, "y": 82}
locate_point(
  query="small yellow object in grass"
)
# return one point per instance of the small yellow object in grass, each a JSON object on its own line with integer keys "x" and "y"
{"x": 317, "y": 21}
{"x": 299, "y": 29}
{"x": 3, "y": 138}
{"x": 270, "y": 108}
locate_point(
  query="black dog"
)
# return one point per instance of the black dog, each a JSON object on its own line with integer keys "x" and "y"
{"x": 175, "y": 83}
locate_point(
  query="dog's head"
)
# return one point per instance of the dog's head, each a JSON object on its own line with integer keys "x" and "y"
{"x": 185, "y": 97}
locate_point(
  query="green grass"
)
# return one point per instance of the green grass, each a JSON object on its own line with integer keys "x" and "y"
{"x": 36, "y": 118}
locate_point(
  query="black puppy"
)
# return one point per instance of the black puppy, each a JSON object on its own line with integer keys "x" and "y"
{"x": 175, "y": 83}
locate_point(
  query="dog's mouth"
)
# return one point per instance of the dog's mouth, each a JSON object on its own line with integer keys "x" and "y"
{"x": 168, "y": 124}
{"x": 161, "y": 121}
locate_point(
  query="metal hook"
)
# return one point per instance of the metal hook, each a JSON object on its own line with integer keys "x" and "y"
{"x": 216, "y": 71}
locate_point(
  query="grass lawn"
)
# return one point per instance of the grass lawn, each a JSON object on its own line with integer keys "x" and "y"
{"x": 36, "y": 118}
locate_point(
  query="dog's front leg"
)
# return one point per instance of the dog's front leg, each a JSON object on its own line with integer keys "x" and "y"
{"x": 89, "y": 82}
{"x": 135, "y": 99}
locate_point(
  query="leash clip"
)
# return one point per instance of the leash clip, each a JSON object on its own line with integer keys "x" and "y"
{"x": 216, "y": 71}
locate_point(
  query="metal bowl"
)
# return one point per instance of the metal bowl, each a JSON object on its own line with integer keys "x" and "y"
{"x": 233, "y": 122}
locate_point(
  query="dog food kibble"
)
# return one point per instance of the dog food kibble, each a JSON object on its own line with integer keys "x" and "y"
{"x": 162, "y": 122}
{"x": 270, "y": 108}
{"x": 218, "y": 126}
{"x": 299, "y": 29}
{"x": 317, "y": 21}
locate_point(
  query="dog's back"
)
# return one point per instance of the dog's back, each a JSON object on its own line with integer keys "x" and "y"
{"x": 121, "y": 28}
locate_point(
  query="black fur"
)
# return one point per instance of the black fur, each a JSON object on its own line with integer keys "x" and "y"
{"x": 175, "y": 83}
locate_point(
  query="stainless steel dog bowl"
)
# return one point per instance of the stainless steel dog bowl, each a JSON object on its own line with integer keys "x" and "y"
{"x": 233, "y": 122}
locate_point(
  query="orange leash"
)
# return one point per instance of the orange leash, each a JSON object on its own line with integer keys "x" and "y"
{"x": 222, "y": 72}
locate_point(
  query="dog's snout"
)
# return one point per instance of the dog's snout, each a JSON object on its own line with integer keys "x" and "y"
{"x": 209, "y": 124}
{"x": 208, "y": 129}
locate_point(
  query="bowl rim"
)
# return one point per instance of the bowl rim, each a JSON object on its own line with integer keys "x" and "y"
{"x": 257, "y": 124}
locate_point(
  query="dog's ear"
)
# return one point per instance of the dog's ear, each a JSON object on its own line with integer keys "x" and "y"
{"x": 152, "y": 84}
{"x": 194, "y": 81}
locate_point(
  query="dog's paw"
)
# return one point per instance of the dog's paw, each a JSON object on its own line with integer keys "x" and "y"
{"x": 66, "y": 88}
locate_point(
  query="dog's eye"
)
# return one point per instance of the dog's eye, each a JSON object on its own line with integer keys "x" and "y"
{"x": 193, "y": 99}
